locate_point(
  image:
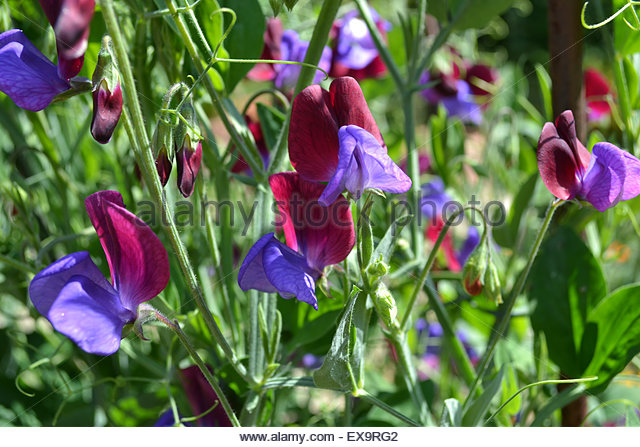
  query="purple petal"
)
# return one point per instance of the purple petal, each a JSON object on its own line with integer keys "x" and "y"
{"x": 462, "y": 104}
{"x": 271, "y": 266}
{"x": 90, "y": 316}
{"x": 604, "y": 180}
{"x": 363, "y": 164}
{"x": 26, "y": 75}
{"x": 294, "y": 49}
{"x": 632, "y": 177}
{"x": 252, "y": 274}
{"x": 355, "y": 48}
{"x": 434, "y": 198}
{"x": 48, "y": 283}
{"x": 138, "y": 261}
{"x": 287, "y": 270}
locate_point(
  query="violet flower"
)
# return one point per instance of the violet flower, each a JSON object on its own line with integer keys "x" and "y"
{"x": 294, "y": 49}
{"x": 26, "y": 75}
{"x": 333, "y": 138}
{"x": 596, "y": 90}
{"x": 316, "y": 237}
{"x": 602, "y": 178}
{"x": 78, "y": 300}
{"x": 455, "y": 95}
{"x": 354, "y": 52}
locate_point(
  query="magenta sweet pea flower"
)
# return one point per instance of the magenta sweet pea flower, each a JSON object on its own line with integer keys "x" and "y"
{"x": 602, "y": 178}
{"x": 354, "y": 52}
{"x": 597, "y": 90}
{"x": 70, "y": 20}
{"x": 26, "y": 75}
{"x": 78, "y": 300}
{"x": 454, "y": 94}
{"x": 107, "y": 108}
{"x": 270, "y": 51}
{"x": 334, "y": 138}
{"x": 202, "y": 397}
{"x": 316, "y": 237}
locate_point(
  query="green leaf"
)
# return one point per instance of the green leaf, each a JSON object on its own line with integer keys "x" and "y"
{"x": 343, "y": 363}
{"x": 509, "y": 388}
{"x": 473, "y": 13}
{"x": 315, "y": 329}
{"x": 474, "y": 415}
{"x": 245, "y": 40}
{"x": 451, "y": 414}
{"x": 290, "y": 3}
{"x": 566, "y": 284}
{"x": 631, "y": 76}
{"x": 613, "y": 329}
{"x": 276, "y": 6}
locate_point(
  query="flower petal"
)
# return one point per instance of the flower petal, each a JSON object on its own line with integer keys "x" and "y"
{"x": 313, "y": 135}
{"x": 325, "y": 235}
{"x": 202, "y": 397}
{"x": 138, "y": 261}
{"x": 566, "y": 128}
{"x": 107, "y": 107}
{"x": 289, "y": 273}
{"x": 26, "y": 75}
{"x": 47, "y": 284}
{"x": 557, "y": 164}
{"x": 596, "y": 89}
{"x": 470, "y": 243}
{"x": 351, "y": 107}
{"x": 363, "y": 164}
{"x": 90, "y": 316}
{"x": 252, "y": 274}
{"x": 605, "y": 178}
{"x": 632, "y": 176}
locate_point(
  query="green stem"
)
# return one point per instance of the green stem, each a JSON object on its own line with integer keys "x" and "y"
{"x": 250, "y": 154}
{"x": 205, "y": 371}
{"x": 17, "y": 265}
{"x": 399, "y": 342}
{"x": 140, "y": 141}
{"x": 507, "y": 307}
{"x": 321, "y": 30}
{"x": 363, "y": 8}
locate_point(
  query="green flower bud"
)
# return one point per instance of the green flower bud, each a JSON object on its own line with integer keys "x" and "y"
{"x": 385, "y": 306}
{"x": 492, "y": 284}
{"x": 376, "y": 270}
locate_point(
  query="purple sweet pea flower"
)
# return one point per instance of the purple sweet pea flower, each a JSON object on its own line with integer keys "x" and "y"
{"x": 355, "y": 47}
{"x": 316, "y": 236}
{"x": 77, "y": 299}
{"x": 26, "y": 75}
{"x": 602, "y": 178}
{"x": 470, "y": 243}
{"x": 434, "y": 333}
{"x": 455, "y": 95}
{"x": 294, "y": 49}
{"x": 363, "y": 164}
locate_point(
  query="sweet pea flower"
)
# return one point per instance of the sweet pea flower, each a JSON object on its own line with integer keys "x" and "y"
{"x": 241, "y": 165}
{"x": 202, "y": 397}
{"x": 434, "y": 333}
{"x": 596, "y": 89}
{"x": 270, "y": 51}
{"x": 354, "y": 52}
{"x": 294, "y": 49}
{"x": 316, "y": 237}
{"x": 78, "y": 300}
{"x": 602, "y": 178}
{"x": 454, "y": 94}
{"x": 333, "y": 138}
{"x": 26, "y": 75}
{"x": 70, "y": 20}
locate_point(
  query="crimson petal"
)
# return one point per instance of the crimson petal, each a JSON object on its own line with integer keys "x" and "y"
{"x": 138, "y": 261}
{"x": 325, "y": 235}
{"x": 313, "y": 135}
{"x": 557, "y": 164}
{"x": 566, "y": 128}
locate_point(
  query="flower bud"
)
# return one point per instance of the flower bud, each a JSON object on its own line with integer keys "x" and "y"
{"x": 107, "y": 95}
{"x": 492, "y": 283}
{"x": 385, "y": 306}
{"x": 188, "y": 157}
{"x": 162, "y": 150}
{"x": 473, "y": 274}
{"x": 377, "y": 270}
